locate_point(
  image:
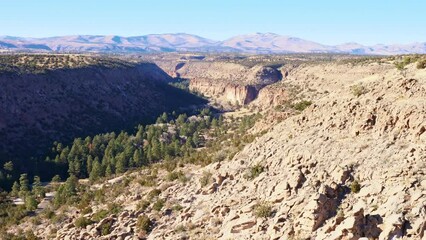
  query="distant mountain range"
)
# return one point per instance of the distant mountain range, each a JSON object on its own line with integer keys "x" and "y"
{"x": 181, "y": 42}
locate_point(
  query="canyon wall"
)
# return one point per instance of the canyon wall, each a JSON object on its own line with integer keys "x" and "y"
{"x": 225, "y": 82}
{"x": 59, "y": 105}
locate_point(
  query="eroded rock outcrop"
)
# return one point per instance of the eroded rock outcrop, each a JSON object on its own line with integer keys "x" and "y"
{"x": 225, "y": 82}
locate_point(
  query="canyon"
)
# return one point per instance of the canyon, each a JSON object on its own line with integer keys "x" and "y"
{"x": 60, "y": 104}
{"x": 348, "y": 163}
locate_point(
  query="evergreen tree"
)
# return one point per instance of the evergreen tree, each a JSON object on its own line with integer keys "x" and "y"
{"x": 24, "y": 185}
{"x": 56, "y": 179}
{"x": 189, "y": 143}
{"x": 66, "y": 192}
{"x": 15, "y": 189}
{"x": 163, "y": 118}
{"x": 38, "y": 190}
{"x": 89, "y": 164}
{"x": 196, "y": 139}
{"x": 215, "y": 123}
{"x": 139, "y": 135}
{"x": 30, "y": 203}
{"x": 138, "y": 158}
{"x": 96, "y": 172}
{"x": 121, "y": 163}
{"x": 8, "y": 166}
{"x": 108, "y": 171}
{"x": 156, "y": 150}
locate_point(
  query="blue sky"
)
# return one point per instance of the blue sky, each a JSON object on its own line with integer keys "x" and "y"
{"x": 327, "y": 22}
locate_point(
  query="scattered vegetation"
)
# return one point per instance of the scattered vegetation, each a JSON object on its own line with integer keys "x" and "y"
{"x": 206, "y": 179}
{"x": 158, "y": 205}
{"x": 302, "y": 105}
{"x": 182, "y": 84}
{"x": 82, "y": 222}
{"x": 421, "y": 64}
{"x": 177, "y": 208}
{"x": 106, "y": 228}
{"x": 400, "y": 65}
{"x": 262, "y": 210}
{"x": 144, "y": 223}
{"x": 358, "y": 90}
{"x": 153, "y": 194}
{"x": 176, "y": 175}
{"x": 143, "y": 205}
{"x": 40, "y": 63}
{"x": 355, "y": 187}
{"x": 254, "y": 172}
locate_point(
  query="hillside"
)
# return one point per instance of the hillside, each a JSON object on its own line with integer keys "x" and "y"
{"x": 47, "y": 98}
{"x": 257, "y": 43}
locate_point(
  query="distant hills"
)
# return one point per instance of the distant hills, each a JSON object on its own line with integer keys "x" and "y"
{"x": 182, "y": 42}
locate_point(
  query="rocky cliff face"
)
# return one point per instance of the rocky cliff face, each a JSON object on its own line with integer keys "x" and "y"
{"x": 224, "y": 92}
{"x": 37, "y": 109}
{"x": 225, "y": 82}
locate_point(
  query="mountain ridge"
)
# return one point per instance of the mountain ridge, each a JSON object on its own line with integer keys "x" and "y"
{"x": 257, "y": 43}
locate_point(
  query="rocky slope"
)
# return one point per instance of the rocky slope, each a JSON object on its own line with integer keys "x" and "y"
{"x": 60, "y": 104}
{"x": 351, "y": 166}
{"x": 311, "y": 161}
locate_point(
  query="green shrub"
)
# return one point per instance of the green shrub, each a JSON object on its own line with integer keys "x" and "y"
{"x": 153, "y": 194}
{"x": 171, "y": 176}
{"x": 421, "y": 64}
{"x": 158, "y": 205}
{"x": 48, "y": 213}
{"x": 180, "y": 228}
{"x": 99, "y": 215}
{"x": 82, "y": 222}
{"x": 144, "y": 223}
{"x": 262, "y": 210}
{"x": 87, "y": 210}
{"x": 302, "y": 105}
{"x": 148, "y": 181}
{"x": 358, "y": 90}
{"x": 254, "y": 172}
{"x": 106, "y": 228}
{"x": 29, "y": 235}
{"x": 205, "y": 179}
{"x": 355, "y": 187}
{"x": 143, "y": 205}
{"x": 177, "y": 208}
{"x": 114, "y": 208}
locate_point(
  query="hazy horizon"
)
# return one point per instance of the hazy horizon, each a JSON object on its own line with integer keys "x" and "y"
{"x": 331, "y": 22}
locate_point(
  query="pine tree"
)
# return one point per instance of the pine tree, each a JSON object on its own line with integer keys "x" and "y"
{"x": 121, "y": 163}
{"x": 38, "y": 189}
{"x": 66, "y": 192}
{"x": 137, "y": 158}
{"x": 89, "y": 164}
{"x": 56, "y": 179}
{"x": 30, "y": 203}
{"x": 156, "y": 150}
{"x": 15, "y": 189}
{"x": 8, "y": 166}
{"x": 139, "y": 135}
{"x": 196, "y": 139}
{"x": 108, "y": 171}
{"x": 96, "y": 172}
{"x": 24, "y": 185}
